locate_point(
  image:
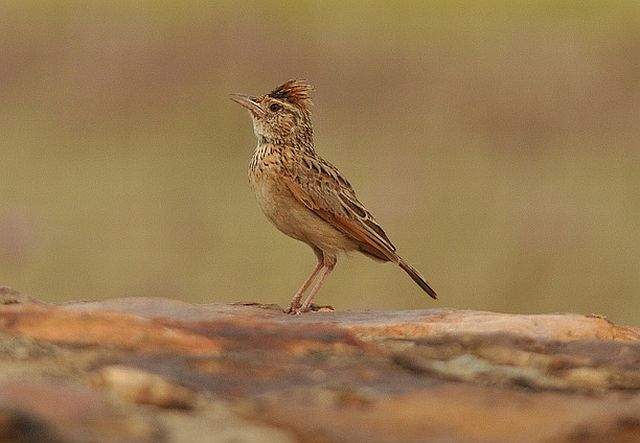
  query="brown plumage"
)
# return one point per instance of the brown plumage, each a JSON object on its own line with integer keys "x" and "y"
{"x": 305, "y": 196}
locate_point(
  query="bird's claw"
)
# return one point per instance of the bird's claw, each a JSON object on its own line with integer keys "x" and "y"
{"x": 299, "y": 310}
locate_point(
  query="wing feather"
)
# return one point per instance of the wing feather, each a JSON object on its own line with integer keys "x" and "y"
{"x": 321, "y": 187}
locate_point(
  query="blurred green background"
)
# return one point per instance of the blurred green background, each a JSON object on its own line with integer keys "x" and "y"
{"x": 497, "y": 142}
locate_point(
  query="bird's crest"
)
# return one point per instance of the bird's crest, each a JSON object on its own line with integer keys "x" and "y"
{"x": 296, "y": 92}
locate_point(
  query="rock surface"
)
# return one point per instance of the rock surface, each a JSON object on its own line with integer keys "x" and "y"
{"x": 160, "y": 370}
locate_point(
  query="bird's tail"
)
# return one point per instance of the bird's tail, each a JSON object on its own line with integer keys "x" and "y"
{"x": 417, "y": 277}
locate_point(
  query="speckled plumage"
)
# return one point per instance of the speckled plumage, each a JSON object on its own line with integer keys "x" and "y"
{"x": 305, "y": 196}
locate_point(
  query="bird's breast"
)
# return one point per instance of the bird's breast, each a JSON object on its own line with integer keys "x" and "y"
{"x": 277, "y": 202}
{"x": 285, "y": 211}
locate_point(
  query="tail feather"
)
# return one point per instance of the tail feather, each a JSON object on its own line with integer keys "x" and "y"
{"x": 417, "y": 277}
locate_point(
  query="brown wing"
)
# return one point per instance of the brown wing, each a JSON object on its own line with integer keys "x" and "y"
{"x": 320, "y": 187}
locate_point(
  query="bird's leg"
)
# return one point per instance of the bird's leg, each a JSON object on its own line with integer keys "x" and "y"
{"x": 295, "y": 302}
{"x": 307, "y": 303}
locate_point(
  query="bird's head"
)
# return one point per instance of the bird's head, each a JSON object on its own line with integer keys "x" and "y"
{"x": 283, "y": 115}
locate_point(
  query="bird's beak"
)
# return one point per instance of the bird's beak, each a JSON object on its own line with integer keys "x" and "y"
{"x": 249, "y": 102}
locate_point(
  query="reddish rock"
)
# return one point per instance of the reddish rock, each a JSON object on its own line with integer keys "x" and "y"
{"x": 411, "y": 324}
{"x": 144, "y": 387}
{"x": 105, "y": 329}
{"x": 249, "y": 372}
{"x": 51, "y": 410}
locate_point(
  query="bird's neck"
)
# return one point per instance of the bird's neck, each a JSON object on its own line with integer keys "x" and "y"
{"x": 300, "y": 142}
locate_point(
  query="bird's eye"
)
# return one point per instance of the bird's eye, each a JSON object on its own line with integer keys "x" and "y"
{"x": 274, "y": 107}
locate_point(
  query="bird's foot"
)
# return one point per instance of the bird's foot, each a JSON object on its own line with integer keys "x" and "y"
{"x": 293, "y": 309}
{"x": 299, "y": 310}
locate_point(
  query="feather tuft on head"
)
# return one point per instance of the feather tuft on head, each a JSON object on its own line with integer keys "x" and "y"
{"x": 296, "y": 92}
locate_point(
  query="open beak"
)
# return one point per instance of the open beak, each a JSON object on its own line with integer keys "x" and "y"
{"x": 249, "y": 102}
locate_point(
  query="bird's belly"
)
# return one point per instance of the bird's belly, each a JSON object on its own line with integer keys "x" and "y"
{"x": 294, "y": 219}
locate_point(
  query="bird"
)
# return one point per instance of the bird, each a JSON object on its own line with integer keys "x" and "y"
{"x": 305, "y": 196}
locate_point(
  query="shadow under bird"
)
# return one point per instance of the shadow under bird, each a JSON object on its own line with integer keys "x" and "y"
{"x": 305, "y": 196}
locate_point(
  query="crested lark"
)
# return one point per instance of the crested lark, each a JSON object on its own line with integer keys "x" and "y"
{"x": 305, "y": 196}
